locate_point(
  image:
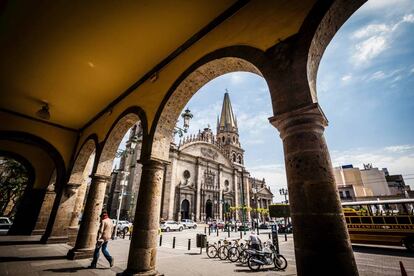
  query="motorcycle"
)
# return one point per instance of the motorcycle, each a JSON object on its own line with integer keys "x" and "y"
{"x": 267, "y": 256}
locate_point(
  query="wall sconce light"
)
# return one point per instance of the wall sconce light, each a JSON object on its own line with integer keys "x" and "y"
{"x": 43, "y": 113}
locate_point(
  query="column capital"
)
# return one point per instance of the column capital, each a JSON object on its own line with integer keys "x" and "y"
{"x": 154, "y": 163}
{"x": 300, "y": 120}
{"x": 100, "y": 177}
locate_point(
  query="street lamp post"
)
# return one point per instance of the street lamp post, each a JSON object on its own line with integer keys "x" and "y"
{"x": 285, "y": 193}
{"x": 186, "y": 124}
{"x": 255, "y": 190}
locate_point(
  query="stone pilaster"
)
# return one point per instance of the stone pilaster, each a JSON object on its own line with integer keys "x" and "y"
{"x": 88, "y": 230}
{"x": 318, "y": 222}
{"x": 143, "y": 249}
{"x": 44, "y": 213}
{"x": 59, "y": 233}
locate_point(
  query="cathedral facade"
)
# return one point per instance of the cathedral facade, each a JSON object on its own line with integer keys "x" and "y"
{"x": 205, "y": 178}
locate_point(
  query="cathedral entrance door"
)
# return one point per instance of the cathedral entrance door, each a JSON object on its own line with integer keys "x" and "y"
{"x": 185, "y": 209}
{"x": 209, "y": 209}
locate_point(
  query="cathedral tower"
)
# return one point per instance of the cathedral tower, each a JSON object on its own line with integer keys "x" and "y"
{"x": 228, "y": 133}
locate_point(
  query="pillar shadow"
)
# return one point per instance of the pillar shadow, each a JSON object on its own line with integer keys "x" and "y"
{"x": 26, "y": 259}
{"x": 19, "y": 242}
{"x": 389, "y": 251}
{"x": 74, "y": 269}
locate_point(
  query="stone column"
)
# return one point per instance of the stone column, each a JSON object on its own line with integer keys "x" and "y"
{"x": 44, "y": 213}
{"x": 59, "y": 233}
{"x": 198, "y": 185}
{"x": 88, "y": 230}
{"x": 236, "y": 193}
{"x": 247, "y": 187}
{"x": 80, "y": 196}
{"x": 143, "y": 249}
{"x": 220, "y": 175}
{"x": 319, "y": 226}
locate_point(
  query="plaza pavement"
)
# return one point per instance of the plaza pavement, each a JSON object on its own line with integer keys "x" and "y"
{"x": 39, "y": 259}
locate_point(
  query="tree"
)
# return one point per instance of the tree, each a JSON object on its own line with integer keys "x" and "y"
{"x": 13, "y": 181}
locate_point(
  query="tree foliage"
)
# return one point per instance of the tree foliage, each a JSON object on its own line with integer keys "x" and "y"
{"x": 279, "y": 211}
{"x": 13, "y": 181}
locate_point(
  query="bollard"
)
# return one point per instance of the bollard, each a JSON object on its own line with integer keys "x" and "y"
{"x": 257, "y": 229}
{"x": 217, "y": 231}
{"x": 209, "y": 231}
{"x": 189, "y": 244}
{"x": 269, "y": 236}
{"x": 241, "y": 235}
{"x": 285, "y": 236}
{"x": 173, "y": 242}
{"x": 228, "y": 233}
{"x": 123, "y": 235}
{"x": 205, "y": 230}
{"x": 160, "y": 240}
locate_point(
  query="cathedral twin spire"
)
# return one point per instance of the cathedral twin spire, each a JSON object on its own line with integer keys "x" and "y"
{"x": 227, "y": 122}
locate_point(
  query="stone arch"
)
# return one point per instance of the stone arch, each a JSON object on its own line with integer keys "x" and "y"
{"x": 220, "y": 62}
{"x": 317, "y": 31}
{"x": 87, "y": 149}
{"x": 114, "y": 136}
{"x": 26, "y": 218}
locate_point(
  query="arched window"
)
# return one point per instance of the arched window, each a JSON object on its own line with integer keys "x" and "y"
{"x": 234, "y": 157}
{"x": 223, "y": 139}
{"x": 240, "y": 159}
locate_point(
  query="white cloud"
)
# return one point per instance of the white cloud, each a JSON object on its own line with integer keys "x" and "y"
{"x": 409, "y": 18}
{"x": 379, "y": 75}
{"x": 346, "y": 78}
{"x": 374, "y": 39}
{"x": 399, "y": 148}
{"x": 275, "y": 177}
{"x": 396, "y": 75}
{"x": 370, "y": 30}
{"x": 369, "y": 49}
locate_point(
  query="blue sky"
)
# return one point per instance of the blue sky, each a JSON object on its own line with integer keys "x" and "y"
{"x": 365, "y": 87}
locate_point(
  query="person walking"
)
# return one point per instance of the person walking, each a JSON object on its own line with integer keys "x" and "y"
{"x": 255, "y": 242}
{"x": 104, "y": 234}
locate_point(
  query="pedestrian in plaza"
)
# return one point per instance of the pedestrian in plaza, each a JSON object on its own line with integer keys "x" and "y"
{"x": 255, "y": 242}
{"x": 104, "y": 234}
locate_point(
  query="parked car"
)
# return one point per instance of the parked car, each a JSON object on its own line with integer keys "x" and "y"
{"x": 5, "y": 225}
{"x": 188, "y": 223}
{"x": 264, "y": 226}
{"x": 124, "y": 226}
{"x": 169, "y": 225}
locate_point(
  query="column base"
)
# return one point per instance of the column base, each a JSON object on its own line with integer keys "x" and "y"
{"x": 55, "y": 239}
{"x": 143, "y": 273}
{"x": 38, "y": 232}
{"x": 76, "y": 254}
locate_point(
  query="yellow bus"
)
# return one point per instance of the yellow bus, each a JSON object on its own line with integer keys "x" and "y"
{"x": 384, "y": 222}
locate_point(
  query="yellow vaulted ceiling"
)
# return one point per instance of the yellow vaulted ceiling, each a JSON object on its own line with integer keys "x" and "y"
{"x": 80, "y": 55}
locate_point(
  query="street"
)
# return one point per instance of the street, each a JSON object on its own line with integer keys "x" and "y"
{"x": 39, "y": 259}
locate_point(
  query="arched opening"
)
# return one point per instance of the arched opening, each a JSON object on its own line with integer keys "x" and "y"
{"x": 209, "y": 210}
{"x": 185, "y": 209}
{"x": 16, "y": 176}
{"x": 45, "y": 160}
{"x": 109, "y": 180}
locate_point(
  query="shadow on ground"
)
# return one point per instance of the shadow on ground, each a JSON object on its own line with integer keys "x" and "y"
{"x": 400, "y": 252}
{"x": 28, "y": 259}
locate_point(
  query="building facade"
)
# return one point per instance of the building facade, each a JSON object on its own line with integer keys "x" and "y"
{"x": 368, "y": 183}
{"x": 205, "y": 179}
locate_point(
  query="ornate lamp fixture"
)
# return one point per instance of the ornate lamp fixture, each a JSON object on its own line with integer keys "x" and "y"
{"x": 186, "y": 124}
{"x": 44, "y": 113}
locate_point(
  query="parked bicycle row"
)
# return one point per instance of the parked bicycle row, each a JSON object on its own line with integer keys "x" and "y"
{"x": 253, "y": 253}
